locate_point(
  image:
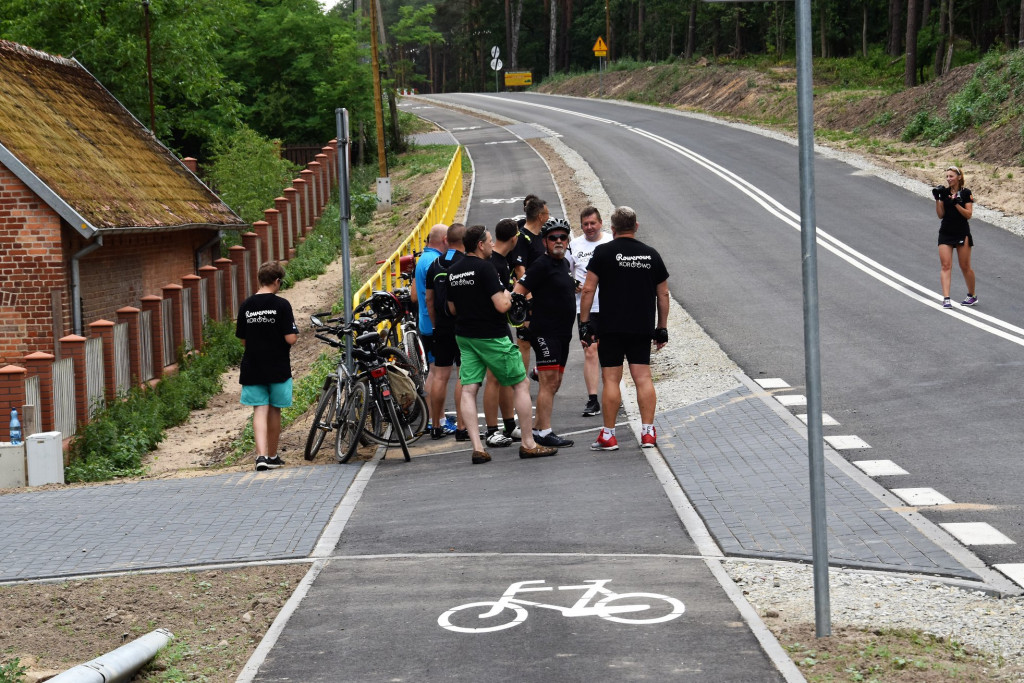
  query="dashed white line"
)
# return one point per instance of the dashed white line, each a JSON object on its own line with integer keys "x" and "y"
{"x": 790, "y": 400}
{"x": 879, "y": 468}
{"x": 772, "y": 383}
{"x": 1014, "y": 571}
{"x": 976, "y": 533}
{"x": 843, "y": 442}
{"x": 826, "y": 419}
{"x": 922, "y": 496}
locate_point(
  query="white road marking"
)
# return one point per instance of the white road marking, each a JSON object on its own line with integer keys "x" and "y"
{"x": 885, "y": 275}
{"x": 826, "y": 419}
{"x": 879, "y": 468}
{"x": 772, "y": 383}
{"x": 976, "y": 533}
{"x": 1014, "y": 571}
{"x": 846, "y": 441}
{"x": 790, "y": 400}
{"x": 922, "y": 496}
{"x": 502, "y": 142}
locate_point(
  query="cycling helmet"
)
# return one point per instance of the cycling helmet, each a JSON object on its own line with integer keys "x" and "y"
{"x": 386, "y": 305}
{"x": 555, "y": 225}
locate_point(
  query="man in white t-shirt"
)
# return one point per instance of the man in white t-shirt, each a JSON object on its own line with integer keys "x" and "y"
{"x": 580, "y": 251}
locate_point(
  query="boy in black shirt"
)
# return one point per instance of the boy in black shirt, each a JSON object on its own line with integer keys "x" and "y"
{"x": 266, "y": 326}
{"x": 480, "y": 301}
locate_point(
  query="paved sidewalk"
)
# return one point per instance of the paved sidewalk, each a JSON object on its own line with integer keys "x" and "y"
{"x": 169, "y": 523}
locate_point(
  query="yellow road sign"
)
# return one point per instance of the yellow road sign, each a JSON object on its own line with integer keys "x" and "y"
{"x": 600, "y": 49}
{"x": 513, "y": 78}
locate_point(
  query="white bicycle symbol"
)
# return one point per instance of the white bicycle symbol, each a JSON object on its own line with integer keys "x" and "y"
{"x": 603, "y": 608}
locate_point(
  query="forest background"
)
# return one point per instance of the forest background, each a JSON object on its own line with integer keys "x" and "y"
{"x": 279, "y": 68}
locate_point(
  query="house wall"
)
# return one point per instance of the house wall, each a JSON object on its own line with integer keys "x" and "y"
{"x": 129, "y": 267}
{"x": 31, "y": 267}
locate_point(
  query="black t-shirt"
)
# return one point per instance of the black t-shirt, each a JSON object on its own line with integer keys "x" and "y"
{"x": 554, "y": 295}
{"x": 629, "y": 273}
{"x": 953, "y": 224}
{"x": 263, "y": 321}
{"x": 528, "y": 249}
{"x": 501, "y": 265}
{"x": 442, "y": 322}
{"x": 471, "y": 284}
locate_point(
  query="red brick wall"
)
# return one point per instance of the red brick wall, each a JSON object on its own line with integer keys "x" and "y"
{"x": 31, "y": 265}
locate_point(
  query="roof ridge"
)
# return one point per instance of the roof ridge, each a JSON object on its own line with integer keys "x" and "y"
{"x": 39, "y": 54}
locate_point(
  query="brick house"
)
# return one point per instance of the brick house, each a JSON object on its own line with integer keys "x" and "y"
{"x": 94, "y": 212}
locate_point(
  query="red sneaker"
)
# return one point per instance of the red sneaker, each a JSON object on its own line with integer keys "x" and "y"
{"x": 649, "y": 440}
{"x": 603, "y": 444}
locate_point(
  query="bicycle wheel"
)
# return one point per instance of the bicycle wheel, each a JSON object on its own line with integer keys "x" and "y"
{"x": 394, "y": 355}
{"x": 445, "y": 620}
{"x": 398, "y": 427}
{"x": 350, "y": 423}
{"x": 413, "y": 347}
{"x": 323, "y": 419}
{"x": 657, "y": 606}
{"x": 378, "y": 427}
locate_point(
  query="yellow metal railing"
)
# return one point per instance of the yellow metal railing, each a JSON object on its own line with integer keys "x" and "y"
{"x": 442, "y": 209}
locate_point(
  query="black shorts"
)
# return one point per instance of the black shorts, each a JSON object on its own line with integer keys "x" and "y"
{"x": 428, "y": 346}
{"x": 955, "y": 241}
{"x": 552, "y": 351}
{"x": 446, "y": 351}
{"x": 595, "y": 320}
{"x": 634, "y": 348}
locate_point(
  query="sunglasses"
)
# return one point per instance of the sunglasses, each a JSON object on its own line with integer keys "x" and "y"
{"x": 558, "y": 238}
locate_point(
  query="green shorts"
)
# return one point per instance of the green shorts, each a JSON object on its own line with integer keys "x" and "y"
{"x": 499, "y": 355}
{"x": 278, "y": 395}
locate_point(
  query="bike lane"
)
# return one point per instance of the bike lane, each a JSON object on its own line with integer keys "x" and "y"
{"x": 438, "y": 533}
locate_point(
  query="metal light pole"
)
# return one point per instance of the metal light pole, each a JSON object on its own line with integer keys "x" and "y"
{"x": 345, "y": 210}
{"x": 812, "y": 337}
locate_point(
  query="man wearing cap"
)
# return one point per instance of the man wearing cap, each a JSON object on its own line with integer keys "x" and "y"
{"x": 550, "y": 327}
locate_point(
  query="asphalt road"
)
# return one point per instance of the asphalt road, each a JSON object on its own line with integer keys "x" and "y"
{"x": 937, "y": 392}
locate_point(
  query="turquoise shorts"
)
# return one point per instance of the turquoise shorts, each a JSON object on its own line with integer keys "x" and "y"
{"x": 499, "y": 355}
{"x": 278, "y": 395}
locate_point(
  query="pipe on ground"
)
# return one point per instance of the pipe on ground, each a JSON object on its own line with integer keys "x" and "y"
{"x": 118, "y": 665}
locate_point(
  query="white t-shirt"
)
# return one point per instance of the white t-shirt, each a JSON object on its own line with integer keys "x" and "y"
{"x": 580, "y": 251}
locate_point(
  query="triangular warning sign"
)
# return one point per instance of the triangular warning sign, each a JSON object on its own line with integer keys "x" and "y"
{"x": 600, "y": 46}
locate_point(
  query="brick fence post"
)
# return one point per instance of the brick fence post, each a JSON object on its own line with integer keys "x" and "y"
{"x": 12, "y": 395}
{"x": 331, "y": 150}
{"x": 276, "y": 235}
{"x": 264, "y": 244}
{"x": 307, "y": 201}
{"x": 73, "y": 347}
{"x": 104, "y": 329}
{"x": 173, "y": 292}
{"x": 224, "y": 266}
{"x": 316, "y": 183}
{"x": 210, "y": 274}
{"x": 299, "y": 185}
{"x": 152, "y": 303}
{"x": 130, "y": 316}
{"x": 238, "y": 255}
{"x": 251, "y": 242}
{"x": 191, "y": 282}
{"x": 284, "y": 218}
{"x": 324, "y": 176}
{"x": 40, "y": 364}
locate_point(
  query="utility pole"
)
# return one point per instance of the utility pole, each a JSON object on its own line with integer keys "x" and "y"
{"x": 378, "y": 112}
{"x": 149, "y": 71}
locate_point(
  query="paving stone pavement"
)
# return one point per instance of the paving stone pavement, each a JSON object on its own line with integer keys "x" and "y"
{"x": 745, "y": 471}
{"x": 168, "y": 523}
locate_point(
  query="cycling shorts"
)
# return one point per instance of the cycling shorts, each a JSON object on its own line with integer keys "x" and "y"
{"x": 446, "y": 351}
{"x": 552, "y": 351}
{"x": 634, "y": 348}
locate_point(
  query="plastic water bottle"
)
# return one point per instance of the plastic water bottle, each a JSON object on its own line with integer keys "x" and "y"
{"x": 15, "y": 429}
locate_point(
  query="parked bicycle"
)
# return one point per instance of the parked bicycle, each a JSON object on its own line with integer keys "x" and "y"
{"x": 398, "y": 314}
{"x": 639, "y": 608}
{"x": 378, "y": 402}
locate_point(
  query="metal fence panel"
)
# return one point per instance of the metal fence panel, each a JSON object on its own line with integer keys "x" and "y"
{"x": 64, "y": 397}
{"x": 30, "y": 420}
{"x": 186, "y": 318}
{"x": 220, "y": 296}
{"x": 145, "y": 346}
{"x": 167, "y": 331}
{"x": 234, "y": 291}
{"x": 95, "y": 383}
{"x": 122, "y": 360}
{"x": 204, "y": 312}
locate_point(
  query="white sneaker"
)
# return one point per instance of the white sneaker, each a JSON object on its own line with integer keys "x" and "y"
{"x": 498, "y": 440}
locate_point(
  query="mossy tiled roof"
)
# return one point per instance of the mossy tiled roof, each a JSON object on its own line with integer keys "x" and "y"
{"x": 60, "y": 123}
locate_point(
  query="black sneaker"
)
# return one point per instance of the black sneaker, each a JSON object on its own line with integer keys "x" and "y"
{"x": 437, "y": 433}
{"x": 462, "y": 435}
{"x": 553, "y": 440}
{"x": 592, "y": 408}
{"x": 265, "y": 463}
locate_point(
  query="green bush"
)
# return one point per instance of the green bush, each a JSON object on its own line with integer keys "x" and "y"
{"x": 364, "y": 206}
{"x": 114, "y": 442}
{"x": 12, "y": 671}
{"x": 248, "y": 172}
